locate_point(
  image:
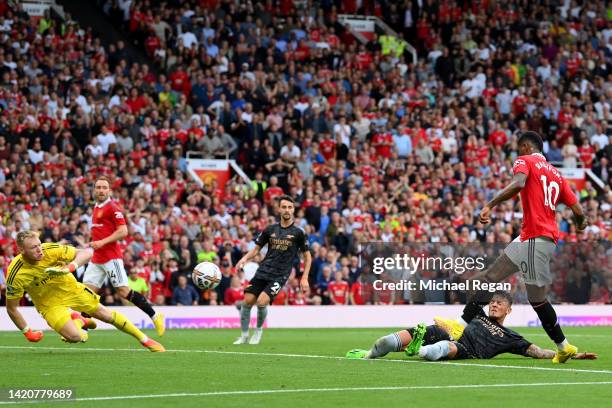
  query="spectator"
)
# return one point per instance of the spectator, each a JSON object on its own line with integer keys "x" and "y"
{"x": 338, "y": 290}
{"x": 235, "y": 293}
{"x": 137, "y": 283}
{"x": 183, "y": 294}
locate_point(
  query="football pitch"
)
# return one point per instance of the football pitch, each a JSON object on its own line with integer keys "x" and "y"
{"x": 297, "y": 368}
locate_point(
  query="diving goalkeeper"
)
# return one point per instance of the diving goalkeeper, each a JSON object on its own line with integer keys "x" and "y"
{"x": 45, "y": 272}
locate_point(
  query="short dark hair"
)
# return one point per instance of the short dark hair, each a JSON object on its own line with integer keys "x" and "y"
{"x": 533, "y": 138}
{"x": 286, "y": 197}
{"x": 504, "y": 295}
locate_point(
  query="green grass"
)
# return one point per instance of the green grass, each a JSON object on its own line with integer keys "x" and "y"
{"x": 112, "y": 364}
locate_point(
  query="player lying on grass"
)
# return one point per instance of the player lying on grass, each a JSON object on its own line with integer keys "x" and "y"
{"x": 485, "y": 337}
{"x": 45, "y": 272}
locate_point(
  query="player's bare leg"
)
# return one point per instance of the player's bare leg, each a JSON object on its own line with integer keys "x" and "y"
{"x": 141, "y": 302}
{"x": 262, "y": 312}
{"x": 245, "y": 317}
{"x": 550, "y": 324}
{"x": 121, "y": 322}
{"x": 501, "y": 269}
{"x": 72, "y": 333}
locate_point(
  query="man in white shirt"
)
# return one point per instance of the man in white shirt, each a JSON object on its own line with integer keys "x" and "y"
{"x": 106, "y": 138}
{"x": 599, "y": 137}
{"x": 344, "y": 130}
{"x": 544, "y": 71}
{"x": 188, "y": 39}
{"x": 290, "y": 152}
{"x": 94, "y": 147}
{"x": 36, "y": 154}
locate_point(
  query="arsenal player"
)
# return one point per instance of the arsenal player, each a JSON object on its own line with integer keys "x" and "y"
{"x": 107, "y": 229}
{"x": 541, "y": 188}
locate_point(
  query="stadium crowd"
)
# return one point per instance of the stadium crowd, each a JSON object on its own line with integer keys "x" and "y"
{"x": 373, "y": 146}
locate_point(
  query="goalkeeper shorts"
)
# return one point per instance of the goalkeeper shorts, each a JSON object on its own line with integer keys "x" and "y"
{"x": 57, "y": 311}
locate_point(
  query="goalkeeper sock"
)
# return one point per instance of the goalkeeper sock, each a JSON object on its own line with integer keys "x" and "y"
{"x": 122, "y": 323}
{"x": 434, "y": 352}
{"x": 140, "y": 302}
{"x": 548, "y": 317}
{"x": 385, "y": 345}
{"x": 245, "y": 319}
{"x": 262, "y": 312}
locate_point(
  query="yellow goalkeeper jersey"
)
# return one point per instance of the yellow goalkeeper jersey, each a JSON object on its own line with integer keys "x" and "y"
{"x": 32, "y": 278}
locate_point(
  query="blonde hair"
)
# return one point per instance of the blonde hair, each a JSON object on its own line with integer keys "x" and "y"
{"x": 23, "y": 235}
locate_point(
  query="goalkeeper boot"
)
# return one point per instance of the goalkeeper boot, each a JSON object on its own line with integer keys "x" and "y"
{"x": 154, "y": 346}
{"x": 452, "y": 327}
{"x": 160, "y": 324}
{"x": 417, "y": 340}
{"x": 562, "y": 356}
{"x": 356, "y": 354}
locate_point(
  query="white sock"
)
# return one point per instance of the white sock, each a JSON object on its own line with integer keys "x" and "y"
{"x": 562, "y": 345}
{"x": 245, "y": 334}
{"x": 385, "y": 345}
{"x": 143, "y": 341}
{"x": 462, "y": 322}
{"x": 434, "y": 352}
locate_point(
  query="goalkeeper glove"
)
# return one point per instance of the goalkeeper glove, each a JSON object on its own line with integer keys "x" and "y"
{"x": 62, "y": 270}
{"x": 32, "y": 336}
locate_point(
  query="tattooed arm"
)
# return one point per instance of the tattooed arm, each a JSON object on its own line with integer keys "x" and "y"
{"x": 536, "y": 352}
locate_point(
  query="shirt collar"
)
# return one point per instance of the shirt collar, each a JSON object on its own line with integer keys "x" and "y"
{"x": 102, "y": 204}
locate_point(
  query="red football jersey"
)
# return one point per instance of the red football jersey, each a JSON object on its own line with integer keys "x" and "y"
{"x": 545, "y": 187}
{"x": 339, "y": 291}
{"x": 232, "y": 295}
{"x": 107, "y": 217}
{"x": 358, "y": 295}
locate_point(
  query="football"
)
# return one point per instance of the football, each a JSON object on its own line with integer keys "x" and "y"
{"x": 206, "y": 275}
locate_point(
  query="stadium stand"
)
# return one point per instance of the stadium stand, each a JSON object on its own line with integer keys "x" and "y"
{"x": 374, "y": 146}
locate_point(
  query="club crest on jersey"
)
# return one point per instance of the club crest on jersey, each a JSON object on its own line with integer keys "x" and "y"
{"x": 289, "y": 236}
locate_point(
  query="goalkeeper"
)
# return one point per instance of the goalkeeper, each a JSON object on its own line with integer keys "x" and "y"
{"x": 485, "y": 337}
{"x": 45, "y": 272}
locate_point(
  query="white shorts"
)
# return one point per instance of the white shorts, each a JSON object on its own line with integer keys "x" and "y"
{"x": 533, "y": 259}
{"x": 96, "y": 274}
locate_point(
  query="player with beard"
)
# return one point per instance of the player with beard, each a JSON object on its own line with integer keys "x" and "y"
{"x": 285, "y": 242}
{"x": 108, "y": 227}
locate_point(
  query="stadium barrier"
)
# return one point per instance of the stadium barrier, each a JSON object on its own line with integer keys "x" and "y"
{"x": 330, "y": 316}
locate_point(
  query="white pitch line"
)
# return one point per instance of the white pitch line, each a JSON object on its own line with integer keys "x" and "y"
{"x": 388, "y": 360}
{"x": 311, "y": 390}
